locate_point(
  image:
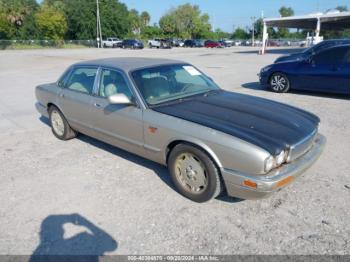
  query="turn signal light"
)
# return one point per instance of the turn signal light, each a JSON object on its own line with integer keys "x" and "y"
{"x": 284, "y": 181}
{"x": 250, "y": 183}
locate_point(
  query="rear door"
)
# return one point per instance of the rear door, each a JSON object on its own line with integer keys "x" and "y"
{"x": 342, "y": 71}
{"x": 120, "y": 125}
{"x": 323, "y": 71}
{"x": 75, "y": 99}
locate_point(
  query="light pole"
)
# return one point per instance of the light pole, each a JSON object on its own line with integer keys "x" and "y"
{"x": 98, "y": 26}
{"x": 253, "y": 31}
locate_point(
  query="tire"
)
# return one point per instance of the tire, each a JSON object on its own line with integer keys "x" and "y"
{"x": 193, "y": 173}
{"x": 59, "y": 125}
{"x": 279, "y": 83}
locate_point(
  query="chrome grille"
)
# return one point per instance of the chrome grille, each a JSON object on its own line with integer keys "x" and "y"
{"x": 301, "y": 147}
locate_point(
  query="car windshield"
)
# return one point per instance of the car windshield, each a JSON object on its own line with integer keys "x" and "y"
{"x": 171, "y": 82}
{"x": 319, "y": 47}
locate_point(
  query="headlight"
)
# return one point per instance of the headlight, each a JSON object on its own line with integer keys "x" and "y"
{"x": 280, "y": 158}
{"x": 274, "y": 161}
{"x": 269, "y": 163}
{"x": 266, "y": 68}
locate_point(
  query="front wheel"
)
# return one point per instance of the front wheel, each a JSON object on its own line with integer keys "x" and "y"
{"x": 59, "y": 125}
{"x": 193, "y": 173}
{"x": 279, "y": 83}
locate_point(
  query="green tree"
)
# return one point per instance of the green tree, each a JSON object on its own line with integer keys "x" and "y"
{"x": 29, "y": 29}
{"x": 168, "y": 25}
{"x": 219, "y": 34}
{"x": 240, "y": 33}
{"x": 51, "y": 23}
{"x": 284, "y": 12}
{"x": 145, "y": 18}
{"x": 135, "y": 21}
{"x": 149, "y": 32}
{"x": 81, "y": 16}
{"x": 342, "y": 8}
{"x": 185, "y": 21}
{"x": 14, "y": 14}
{"x": 329, "y": 34}
{"x": 114, "y": 18}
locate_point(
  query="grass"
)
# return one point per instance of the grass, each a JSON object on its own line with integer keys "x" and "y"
{"x": 19, "y": 46}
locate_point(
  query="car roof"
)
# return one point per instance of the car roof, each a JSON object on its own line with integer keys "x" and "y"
{"x": 345, "y": 40}
{"x": 338, "y": 46}
{"x": 129, "y": 63}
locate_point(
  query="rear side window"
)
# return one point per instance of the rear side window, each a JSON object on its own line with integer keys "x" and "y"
{"x": 82, "y": 80}
{"x": 331, "y": 56}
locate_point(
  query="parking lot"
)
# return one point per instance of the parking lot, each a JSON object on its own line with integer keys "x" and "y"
{"x": 85, "y": 185}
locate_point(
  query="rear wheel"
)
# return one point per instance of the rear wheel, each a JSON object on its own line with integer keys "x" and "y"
{"x": 193, "y": 173}
{"x": 279, "y": 83}
{"x": 59, "y": 125}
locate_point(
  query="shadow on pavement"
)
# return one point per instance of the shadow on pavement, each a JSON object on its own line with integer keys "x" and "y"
{"x": 253, "y": 85}
{"x": 88, "y": 244}
{"x": 277, "y": 51}
{"x": 161, "y": 171}
{"x": 256, "y": 86}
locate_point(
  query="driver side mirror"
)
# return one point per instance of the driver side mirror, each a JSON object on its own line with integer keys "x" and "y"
{"x": 119, "y": 99}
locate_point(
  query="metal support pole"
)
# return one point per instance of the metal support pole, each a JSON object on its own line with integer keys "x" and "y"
{"x": 318, "y": 27}
{"x": 98, "y": 26}
{"x": 253, "y": 31}
{"x": 265, "y": 38}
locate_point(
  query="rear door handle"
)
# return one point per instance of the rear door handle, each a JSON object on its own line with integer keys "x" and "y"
{"x": 61, "y": 95}
{"x": 97, "y": 105}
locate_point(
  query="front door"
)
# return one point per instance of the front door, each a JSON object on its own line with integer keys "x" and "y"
{"x": 75, "y": 98}
{"x": 120, "y": 125}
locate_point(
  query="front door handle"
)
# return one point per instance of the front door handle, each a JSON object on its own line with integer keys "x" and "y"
{"x": 97, "y": 105}
{"x": 61, "y": 95}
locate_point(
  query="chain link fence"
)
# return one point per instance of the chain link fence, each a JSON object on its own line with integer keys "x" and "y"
{"x": 33, "y": 44}
{"x": 29, "y": 44}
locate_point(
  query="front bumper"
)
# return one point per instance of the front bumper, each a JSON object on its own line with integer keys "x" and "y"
{"x": 41, "y": 109}
{"x": 264, "y": 80}
{"x": 237, "y": 185}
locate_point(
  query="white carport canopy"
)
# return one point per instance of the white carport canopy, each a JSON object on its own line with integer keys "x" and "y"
{"x": 328, "y": 21}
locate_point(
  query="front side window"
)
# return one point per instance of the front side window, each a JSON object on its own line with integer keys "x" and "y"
{"x": 82, "y": 80}
{"x": 113, "y": 82}
{"x": 170, "y": 82}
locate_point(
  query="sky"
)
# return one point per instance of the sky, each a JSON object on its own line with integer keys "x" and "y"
{"x": 229, "y": 14}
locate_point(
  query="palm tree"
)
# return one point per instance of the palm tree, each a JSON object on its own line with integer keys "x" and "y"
{"x": 145, "y": 18}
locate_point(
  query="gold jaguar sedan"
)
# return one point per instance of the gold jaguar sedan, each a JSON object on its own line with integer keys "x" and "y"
{"x": 213, "y": 141}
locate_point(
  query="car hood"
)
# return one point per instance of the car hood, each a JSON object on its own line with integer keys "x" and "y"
{"x": 291, "y": 57}
{"x": 270, "y": 125}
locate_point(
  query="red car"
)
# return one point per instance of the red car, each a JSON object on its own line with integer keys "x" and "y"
{"x": 212, "y": 44}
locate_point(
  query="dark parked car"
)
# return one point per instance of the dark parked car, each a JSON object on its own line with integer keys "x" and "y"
{"x": 327, "y": 71}
{"x": 194, "y": 43}
{"x": 132, "y": 43}
{"x": 174, "y": 42}
{"x": 212, "y": 44}
{"x": 224, "y": 43}
{"x": 312, "y": 50}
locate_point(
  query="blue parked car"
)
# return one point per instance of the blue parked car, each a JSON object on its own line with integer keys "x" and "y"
{"x": 326, "y": 71}
{"x": 313, "y": 50}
